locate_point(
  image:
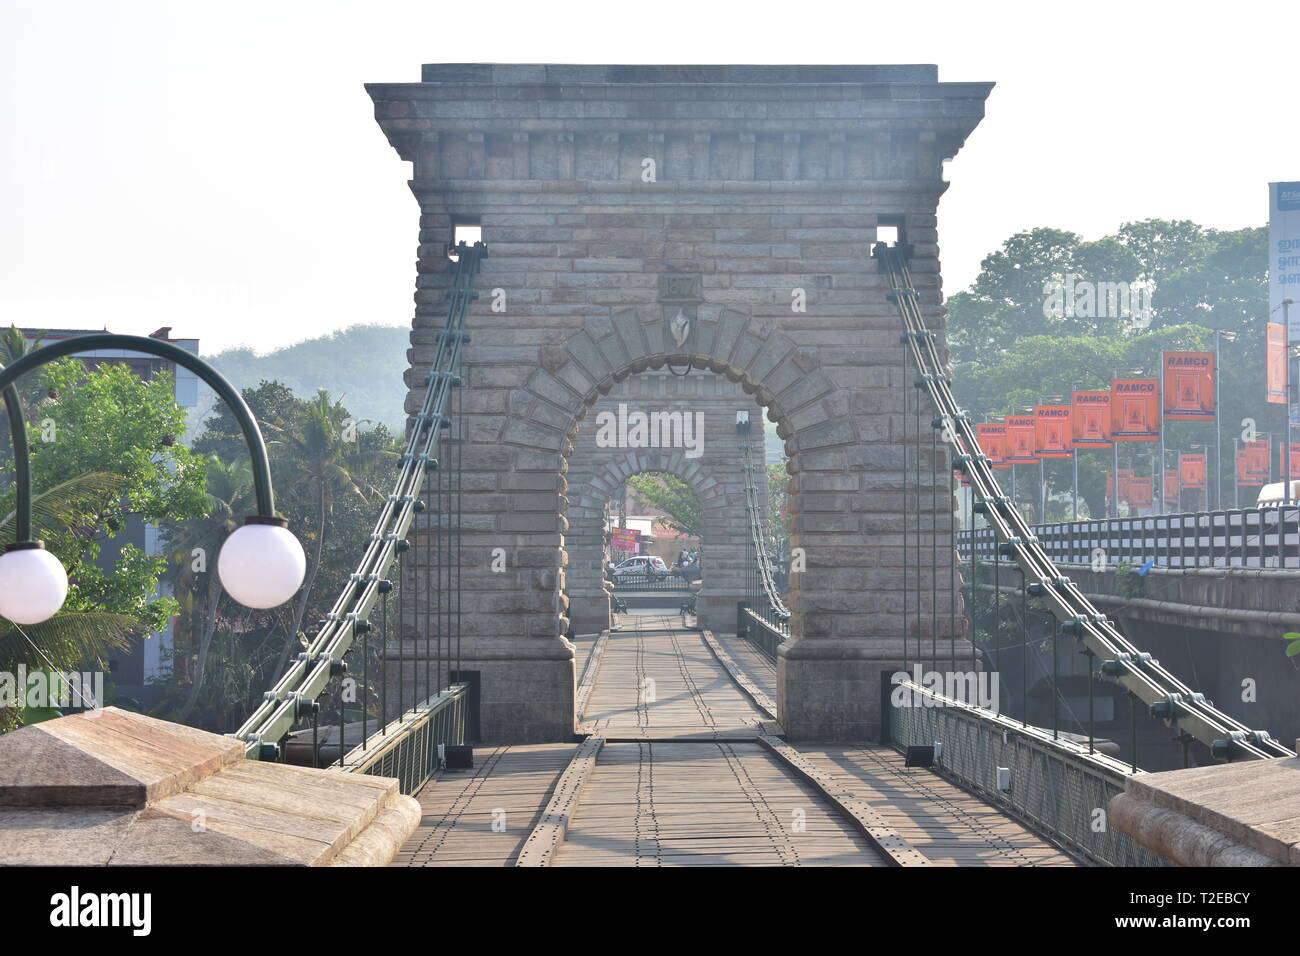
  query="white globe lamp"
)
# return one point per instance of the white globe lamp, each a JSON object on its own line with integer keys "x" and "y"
{"x": 33, "y": 584}
{"x": 262, "y": 564}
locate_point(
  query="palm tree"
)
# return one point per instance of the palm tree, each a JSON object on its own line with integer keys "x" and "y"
{"x": 62, "y": 515}
{"x": 320, "y": 461}
{"x": 194, "y": 547}
{"x": 13, "y": 346}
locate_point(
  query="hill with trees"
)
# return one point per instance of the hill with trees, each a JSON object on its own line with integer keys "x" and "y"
{"x": 361, "y": 366}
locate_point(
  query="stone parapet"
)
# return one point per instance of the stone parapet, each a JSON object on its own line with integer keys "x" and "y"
{"x": 1236, "y": 814}
{"x": 113, "y": 788}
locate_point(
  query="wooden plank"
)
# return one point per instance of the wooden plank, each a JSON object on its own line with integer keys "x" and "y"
{"x": 484, "y": 816}
{"x": 705, "y": 804}
{"x": 762, "y": 700}
{"x": 950, "y": 826}
{"x": 590, "y": 672}
{"x": 541, "y": 845}
{"x": 873, "y": 826}
{"x": 658, "y": 681}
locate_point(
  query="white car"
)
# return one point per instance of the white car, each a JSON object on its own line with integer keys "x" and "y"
{"x": 648, "y": 564}
{"x": 1272, "y": 494}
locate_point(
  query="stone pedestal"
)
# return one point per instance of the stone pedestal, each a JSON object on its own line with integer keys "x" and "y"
{"x": 591, "y": 613}
{"x": 1235, "y": 814}
{"x": 525, "y": 686}
{"x": 112, "y": 788}
{"x": 830, "y": 690}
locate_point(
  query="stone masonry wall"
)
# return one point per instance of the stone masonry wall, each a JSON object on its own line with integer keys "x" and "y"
{"x": 715, "y": 477}
{"x": 766, "y": 192}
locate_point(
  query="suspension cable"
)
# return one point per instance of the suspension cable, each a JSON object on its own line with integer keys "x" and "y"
{"x": 1142, "y": 676}
{"x": 295, "y": 693}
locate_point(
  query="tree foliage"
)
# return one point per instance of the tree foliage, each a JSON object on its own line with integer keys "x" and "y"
{"x": 330, "y": 473}
{"x": 1008, "y": 352}
{"x": 673, "y": 497}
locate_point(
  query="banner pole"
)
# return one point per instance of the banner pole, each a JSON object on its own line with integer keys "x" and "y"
{"x": 1042, "y": 491}
{"x": 1074, "y": 459}
{"x": 1286, "y": 408}
{"x": 1114, "y": 447}
{"x": 1160, "y": 390}
{"x": 1218, "y": 433}
{"x": 1236, "y": 477}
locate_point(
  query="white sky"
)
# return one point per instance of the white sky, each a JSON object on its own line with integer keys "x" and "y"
{"x": 215, "y": 166}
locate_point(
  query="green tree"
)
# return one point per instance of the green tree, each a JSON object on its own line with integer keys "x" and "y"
{"x": 1009, "y": 353}
{"x": 319, "y": 452}
{"x": 69, "y": 640}
{"x": 108, "y": 420}
{"x": 102, "y": 453}
{"x": 778, "y": 500}
{"x": 194, "y": 546}
{"x": 673, "y": 497}
{"x": 13, "y": 346}
{"x": 322, "y": 458}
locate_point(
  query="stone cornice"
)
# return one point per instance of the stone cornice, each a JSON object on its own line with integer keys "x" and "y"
{"x": 866, "y": 191}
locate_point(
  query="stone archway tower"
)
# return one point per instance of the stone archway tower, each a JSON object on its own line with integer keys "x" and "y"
{"x": 721, "y": 214}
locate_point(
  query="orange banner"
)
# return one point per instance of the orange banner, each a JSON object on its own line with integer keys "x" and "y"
{"x": 1189, "y": 386}
{"x": 1191, "y": 471}
{"x": 1125, "y": 476}
{"x": 1172, "y": 491}
{"x": 1139, "y": 492}
{"x": 1020, "y": 439}
{"x": 1275, "y": 363}
{"x": 1252, "y": 464}
{"x": 1053, "y": 437}
{"x": 1295, "y": 461}
{"x": 992, "y": 440}
{"x": 1135, "y": 409}
{"x": 1091, "y": 419}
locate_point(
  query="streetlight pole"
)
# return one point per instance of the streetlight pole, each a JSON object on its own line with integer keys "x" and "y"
{"x": 1236, "y": 478}
{"x": 261, "y": 564}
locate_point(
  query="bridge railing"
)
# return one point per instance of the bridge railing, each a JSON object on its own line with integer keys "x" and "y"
{"x": 1188, "y": 713}
{"x": 1267, "y": 537}
{"x": 651, "y": 582}
{"x": 413, "y": 746}
{"x": 762, "y": 618}
{"x": 763, "y": 629}
{"x": 1055, "y": 785}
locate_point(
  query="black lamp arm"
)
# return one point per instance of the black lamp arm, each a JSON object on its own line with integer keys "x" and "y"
{"x": 133, "y": 343}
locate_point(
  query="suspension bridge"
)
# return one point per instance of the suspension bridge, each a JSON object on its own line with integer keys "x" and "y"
{"x": 855, "y": 711}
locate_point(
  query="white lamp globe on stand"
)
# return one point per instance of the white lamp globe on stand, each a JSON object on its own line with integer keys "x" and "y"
{"x": 262, "y": 564}
{"x": 33, "y": 583}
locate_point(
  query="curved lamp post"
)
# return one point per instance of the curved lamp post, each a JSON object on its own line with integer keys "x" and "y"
{"x": 261, "y": 565}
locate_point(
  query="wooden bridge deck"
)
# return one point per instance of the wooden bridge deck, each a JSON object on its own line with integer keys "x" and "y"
{"x": 683, "y": 769}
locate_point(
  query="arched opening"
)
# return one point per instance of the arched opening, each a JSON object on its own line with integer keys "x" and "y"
{"x": 667, "y": 442}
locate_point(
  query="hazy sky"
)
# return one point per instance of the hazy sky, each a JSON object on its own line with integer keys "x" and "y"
{"x": 215, "y": 166}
